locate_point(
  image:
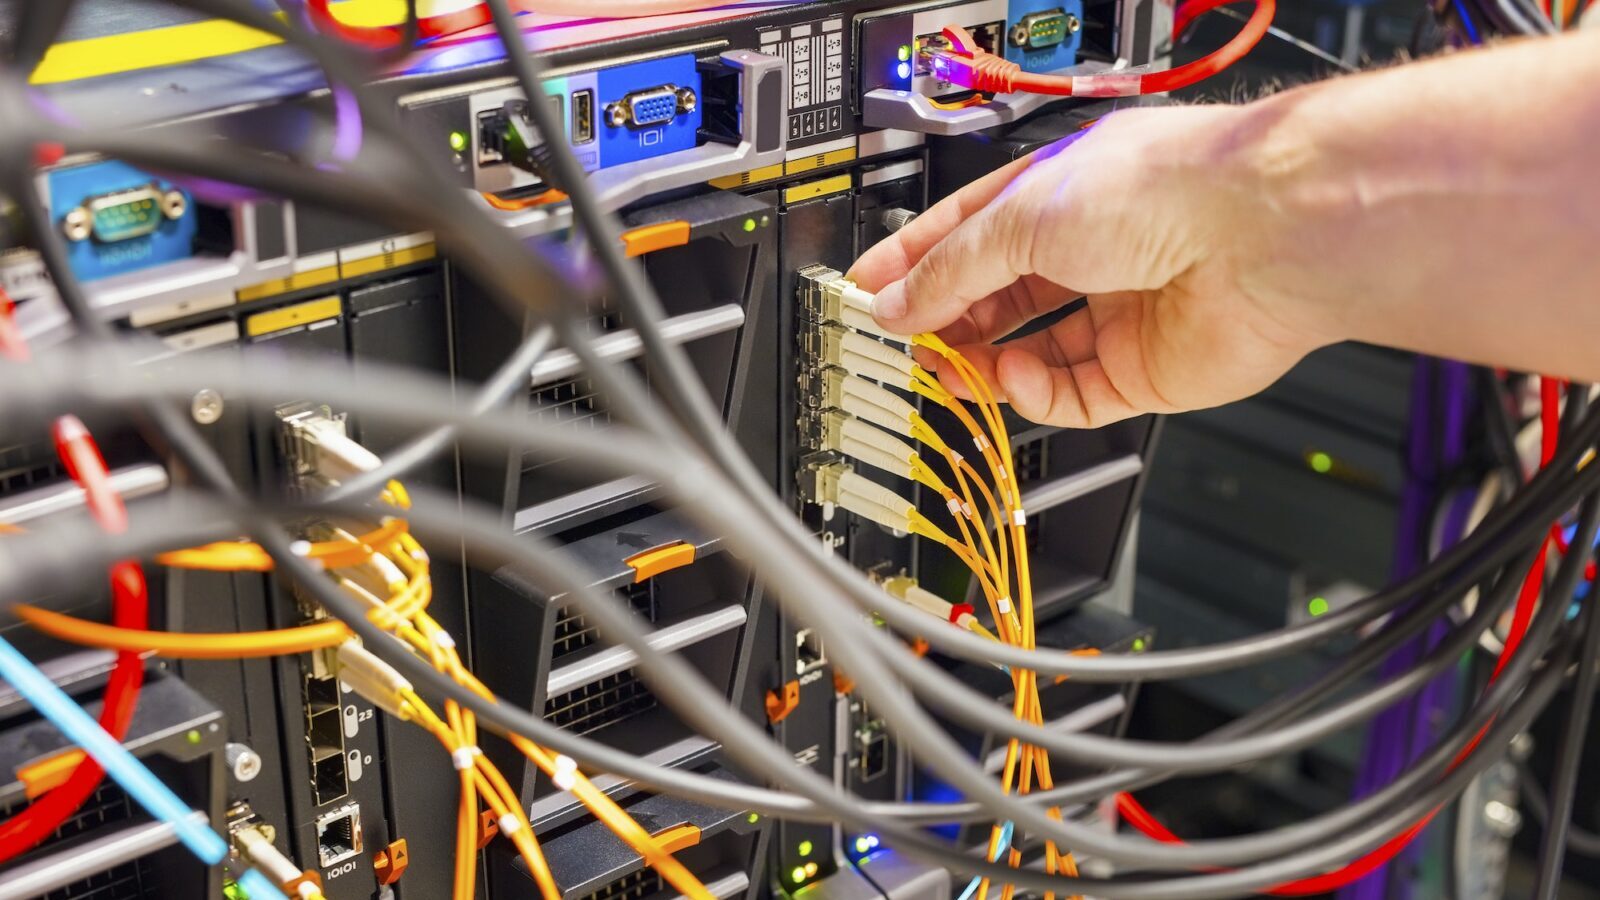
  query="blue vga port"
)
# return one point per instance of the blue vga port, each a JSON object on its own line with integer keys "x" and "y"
{"x": 653, "y": 106}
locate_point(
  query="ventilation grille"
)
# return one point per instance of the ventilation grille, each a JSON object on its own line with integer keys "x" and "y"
{"x": 615, "y": 698}
{"x": 637, "y": 886}
{"x": 107, "y": 806}
{"x": 25, "y": 466}
{"x": 1032, "y": 461}
{"x": 573, "y": 632}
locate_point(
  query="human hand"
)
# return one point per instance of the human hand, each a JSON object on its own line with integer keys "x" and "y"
{"x": 1157, "y": 218}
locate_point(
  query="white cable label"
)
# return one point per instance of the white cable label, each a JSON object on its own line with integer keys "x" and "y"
{"x": 956, "y": 457}
{"x": 565, "y": 777}
{"x": 968, "y": 510}
{"x": 1117, "y": 85}
{"x": 1019, "y": 517}
{"x": 462, "y": 757}
{"x": 1004, "y": 605}
{"x": 444, "y": 641}
{"x": 954, "y": 506}
{"x": 982, "y": 443}
{"x": 509, "y": 824}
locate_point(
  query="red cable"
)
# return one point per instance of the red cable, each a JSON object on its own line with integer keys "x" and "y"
{"x": 1141, "y": 819}
{"x": 967, "y": 64}
{"x": 130, "y": 604}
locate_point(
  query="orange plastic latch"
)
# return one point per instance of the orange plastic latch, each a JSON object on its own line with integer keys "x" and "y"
{"x": 842, "y": 683}
{"x": 390, "y": 862}
{"x": 919, "y": 646}
{"x": 652, "y": 562}
{"x": 488, "y": 828}
{"x": 650, "y": 238}
{"x": 42, "y": 777}
{"x": 292, "y": 888}
{"x": 678, "y": 837}
{"x": 782, "y": 702}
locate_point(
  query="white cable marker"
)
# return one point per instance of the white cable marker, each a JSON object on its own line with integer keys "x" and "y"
{"x": 509, "y": 824}
{"x": 1019, "y": 517}
{"x": 464, "y": 757}
{"x": 1004, "y": 605}
{"x": 444, "y": 641}
{"x": 955, "y": 507}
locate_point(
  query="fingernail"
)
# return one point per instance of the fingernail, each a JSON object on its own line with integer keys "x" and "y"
{"x": 890, "y": 303}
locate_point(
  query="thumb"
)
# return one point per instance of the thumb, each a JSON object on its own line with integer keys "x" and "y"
{"x": 984, "y": 254}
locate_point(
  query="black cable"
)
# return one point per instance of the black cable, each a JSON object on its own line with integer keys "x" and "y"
{"x": 1569, "y": 756}
{"x": 502, "y": 384}
{"x": 419, "y": 396}
{"x": 1158, "y": 664}
{"x": 1579, "y": 840}
{"x": 1501, "y": 431}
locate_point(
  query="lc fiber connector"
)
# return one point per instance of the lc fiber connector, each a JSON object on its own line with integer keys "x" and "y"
{"x": 830, "y": 297}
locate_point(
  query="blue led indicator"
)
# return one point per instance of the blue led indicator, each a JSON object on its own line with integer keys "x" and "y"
{"x": 903, "y": 70}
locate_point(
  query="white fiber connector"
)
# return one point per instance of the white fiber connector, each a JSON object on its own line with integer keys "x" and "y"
{"x": 861, "y": 345}
{"x": 861, "y": 394}
{"x": 259, "y": 850}
{"x": 875, "y": 457}
{"x": 372, "y": 678}
{"x": 830, "y": 297}
{"x": 852, "y": 484}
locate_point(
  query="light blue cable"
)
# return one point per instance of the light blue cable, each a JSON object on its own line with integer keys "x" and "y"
{"x": 143, "y": 786}
{"x": 1003, "y": 846}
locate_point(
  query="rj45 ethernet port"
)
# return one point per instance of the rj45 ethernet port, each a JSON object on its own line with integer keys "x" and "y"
{"x": 808, "y": 652}
{"x": 338, "y": 835}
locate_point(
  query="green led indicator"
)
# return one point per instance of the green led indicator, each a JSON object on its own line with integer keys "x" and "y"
{"x": 458, "y": 141}
{"x": 233, "y": 891}
{"x": 905, "y": 52}
{"x": 1138, "y": 645}
{"x": 861, "y": 845}
{"x": 1320, "y": 462}
{"x": 753, "y": 818}
{"x": 805, "y": 848}
{"x": 193, "y": 737}
{"x": 749, "y": 224}
{"x": 798, "y": 875}
{"x": 1318, "y": 606}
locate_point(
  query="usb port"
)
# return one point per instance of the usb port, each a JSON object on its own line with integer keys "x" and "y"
{"x": 583, "y": 117}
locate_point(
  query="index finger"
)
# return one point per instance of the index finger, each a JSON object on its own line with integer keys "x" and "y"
{"x": 892, "y": 258}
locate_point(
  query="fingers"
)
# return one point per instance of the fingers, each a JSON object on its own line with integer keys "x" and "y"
{"x": 893, "y": 257}
{"x": 1073, "y": 396}
{"x": 1006, "y": 310}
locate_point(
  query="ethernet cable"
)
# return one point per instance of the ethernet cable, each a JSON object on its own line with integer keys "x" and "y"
{"x": 148, "y": 791}
{"x": 960, "y": 60}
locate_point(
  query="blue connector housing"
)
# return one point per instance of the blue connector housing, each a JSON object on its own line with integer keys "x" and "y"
{"x": 117, "y": 219}
{"x": 649, "y": 98}
{"x": 1048, "y": 43}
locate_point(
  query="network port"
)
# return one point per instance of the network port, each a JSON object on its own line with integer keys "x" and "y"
{"x": 808, "y": 651}
{"x": 330, "y": 780}
{"x": 338, "y": 835}
{"x": 1043, "y": 30}
{"x": 988, "y": 36}
{"x": 874, "y": 760}
{"x": 651, "y": 107}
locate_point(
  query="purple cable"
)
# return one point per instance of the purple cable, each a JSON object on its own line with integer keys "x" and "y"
{"x": 1402, "y": 733}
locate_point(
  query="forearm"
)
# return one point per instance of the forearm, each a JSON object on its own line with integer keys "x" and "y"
{"x": 1450, "y": 207}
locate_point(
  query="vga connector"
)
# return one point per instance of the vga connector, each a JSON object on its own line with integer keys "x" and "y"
{"x": 651, "y": 106}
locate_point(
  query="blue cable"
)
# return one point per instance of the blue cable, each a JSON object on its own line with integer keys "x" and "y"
{"x": 123, "y": 767}
{"x": 1466, "y": 21}
{"x": 1004, "y": 845}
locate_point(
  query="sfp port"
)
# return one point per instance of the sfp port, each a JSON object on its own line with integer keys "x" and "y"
{"x": 338, "y": 835}
{"x": 652, "y": 106}
{"x": 330, "y": 780}
{"x": 1043, "y": 30}
{"x": 874, "y": 759}
{"x": 819, "y": 480}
